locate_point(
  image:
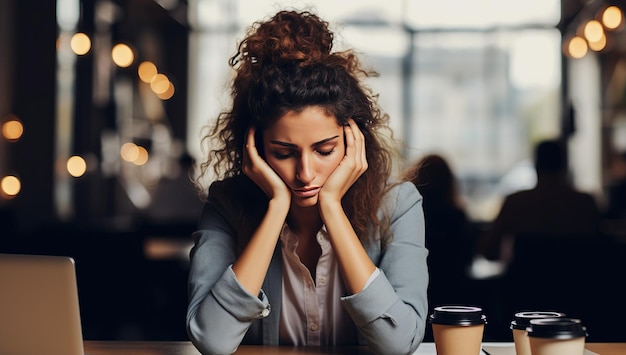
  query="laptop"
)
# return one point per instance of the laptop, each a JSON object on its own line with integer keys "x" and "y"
{"x": 39, "y": 310}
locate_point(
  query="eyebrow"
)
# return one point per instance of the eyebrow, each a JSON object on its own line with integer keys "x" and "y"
{"x": 316, "y": 144}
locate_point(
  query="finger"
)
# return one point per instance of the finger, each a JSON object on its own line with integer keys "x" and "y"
{"x": 359, "y": 141}
{"x": 355, "y": 129}
{"x": 350, "y": 144}
{"x": 249, "y": 150}
{"x": 251, "y": 143}
{"x": 250, "y": 137}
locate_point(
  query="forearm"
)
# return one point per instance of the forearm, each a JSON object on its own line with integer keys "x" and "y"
{"x": 391, "y": 312}
{"x": 220, "y": 321}
{"x": 389, "y": 325}
{"x": 251, "y": 266}
{"x": 354, "y": 263}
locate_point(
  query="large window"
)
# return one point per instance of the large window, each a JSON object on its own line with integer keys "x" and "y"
{"x": 476, "y": 81}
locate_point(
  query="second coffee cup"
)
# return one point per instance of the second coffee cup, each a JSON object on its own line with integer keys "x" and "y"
{"x": 557, "y": 336}
{"x": 519, "y": 324}
{"x": 458, "y": 330}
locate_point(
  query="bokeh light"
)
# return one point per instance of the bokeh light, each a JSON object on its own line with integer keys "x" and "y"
{"x": 159, "y": 84}
{"x": 612, "y": 17}
{"x": 80, "y": 43}
{"x": 593, "y": 31}
{"x": 76, "y": 166}
{"x": 12, "y": 129}
{"x": 10, "y": 186}
{"x": 147, "y": 71}
{"x": 133, "y": 153}
{"x": 122, "y": 55}
{"x": 142, "y": 156}
{"x": 129, "y": 152}
{"x": 577, "y": 47}
{"x": 598, "y": 45}
{"x": 168, "y": 93}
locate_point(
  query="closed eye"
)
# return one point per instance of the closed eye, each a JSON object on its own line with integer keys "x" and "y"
{"x": 326, "y": 153}
{"x": 284, "y": 150}
{"x": 282, "y": 156}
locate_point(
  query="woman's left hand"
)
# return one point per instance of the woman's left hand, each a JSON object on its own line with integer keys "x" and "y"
{"x": 351, "y": 167}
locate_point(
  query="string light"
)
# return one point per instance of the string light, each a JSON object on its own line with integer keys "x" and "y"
{"x": 12, "y": 129}
{"x": 593, "y": 35}
{"x": 612, "y": 17}
{"x": 122, "y": 55}
{"x": 577, "y": 47}
{"x": 10, "y": 186}
{"x": 593, "y": 31}
{"x": 80, "y": 43}
{"x": 76, "y": 166}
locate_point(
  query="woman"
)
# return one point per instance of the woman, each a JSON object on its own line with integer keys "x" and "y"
{"x": 305, "y": 240}
{"x": 449, "y": 235}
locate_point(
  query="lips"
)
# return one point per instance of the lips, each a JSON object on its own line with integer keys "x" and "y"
{"x": 306, "y": 192}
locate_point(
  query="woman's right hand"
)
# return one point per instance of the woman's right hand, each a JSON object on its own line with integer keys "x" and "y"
{"x": 251, "y": 266}
{"x": 257, "y": 169}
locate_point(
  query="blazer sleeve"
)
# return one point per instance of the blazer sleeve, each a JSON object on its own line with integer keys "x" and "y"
{"x": 391, "y": 312}
{"x": 220, "y": 310}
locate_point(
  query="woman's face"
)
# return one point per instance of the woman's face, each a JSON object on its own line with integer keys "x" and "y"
{"x": 304, "y": 149}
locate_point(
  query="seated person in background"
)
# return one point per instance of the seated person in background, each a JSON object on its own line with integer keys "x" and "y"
{"x": 552, "y": 207}
{"x": 449, "y": 237}
{"x": 616, "y": 208}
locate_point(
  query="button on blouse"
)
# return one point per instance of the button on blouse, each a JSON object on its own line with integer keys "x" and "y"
{"x": 311, "y": 312}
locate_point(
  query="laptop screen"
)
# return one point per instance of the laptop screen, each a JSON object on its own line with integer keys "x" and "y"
{"x": 39, "y": 310}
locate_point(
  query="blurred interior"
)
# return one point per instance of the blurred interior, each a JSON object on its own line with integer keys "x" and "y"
{"x": 103, "y": 102}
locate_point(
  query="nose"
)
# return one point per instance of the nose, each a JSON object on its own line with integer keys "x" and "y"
{"x": 305, "y": 172}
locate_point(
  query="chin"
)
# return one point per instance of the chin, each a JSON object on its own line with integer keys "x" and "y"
{"x": 306, "y": 202}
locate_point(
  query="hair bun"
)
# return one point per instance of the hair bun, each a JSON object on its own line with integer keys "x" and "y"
{"x": 289, "y": 36}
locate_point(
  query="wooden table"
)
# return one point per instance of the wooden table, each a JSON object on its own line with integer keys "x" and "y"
{"x": 607, "y": 348}
{"x": 186, "y": 348}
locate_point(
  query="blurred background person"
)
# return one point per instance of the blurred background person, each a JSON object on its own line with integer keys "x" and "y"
{"x": 545, "y": 238}
{"x": 449, "y": 233}
{"x": 553, "y": 207}
{"x": 616, "y": 196}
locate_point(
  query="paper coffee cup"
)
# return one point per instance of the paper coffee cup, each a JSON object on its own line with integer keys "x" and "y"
{"x": 521, "y": 321}
{"x": 458, "y": 330}
{"x": 557, "y": 336}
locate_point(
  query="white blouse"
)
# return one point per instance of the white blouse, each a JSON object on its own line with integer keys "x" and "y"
{"x": 311, "y": 311}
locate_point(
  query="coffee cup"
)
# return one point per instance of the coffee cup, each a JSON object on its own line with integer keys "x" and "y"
{"x": 458, "y": 330}
{"x": 521, "y": 321}
{"x": 557, "y": 336}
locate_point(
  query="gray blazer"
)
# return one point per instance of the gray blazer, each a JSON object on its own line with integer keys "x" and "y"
{"x": 390, "y": 313}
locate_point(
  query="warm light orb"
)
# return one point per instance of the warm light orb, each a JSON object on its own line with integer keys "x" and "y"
{"x": 122, "y": 55}
{"x": 598, "y": 45}
{"x": 10, "y": 185}
{"x": 12, "y": 130}
{"x": 80, "y": 43}
{"x": 147, "y": 71}
{"x": 142, "y": 156}
{"x": 168, "y": 93}
{"x": 612, "y": 17}
{"x": 76, "y": 166}
{"x": 593, "y": 31}
{"x": 159, "y": 84}
{"x": 129, "y": 152}
{"x": 577, "y": 47}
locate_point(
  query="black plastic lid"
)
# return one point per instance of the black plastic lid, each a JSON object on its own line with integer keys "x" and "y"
{"x": 522, "y": 319}
{"x": 457, "y": 315}
{"x": 556, "y": 328}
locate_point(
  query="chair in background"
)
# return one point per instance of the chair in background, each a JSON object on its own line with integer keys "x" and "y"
{"x": 577, "y": 275}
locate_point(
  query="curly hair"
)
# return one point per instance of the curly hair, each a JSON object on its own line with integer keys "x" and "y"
{"x": 286, "y": 64}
